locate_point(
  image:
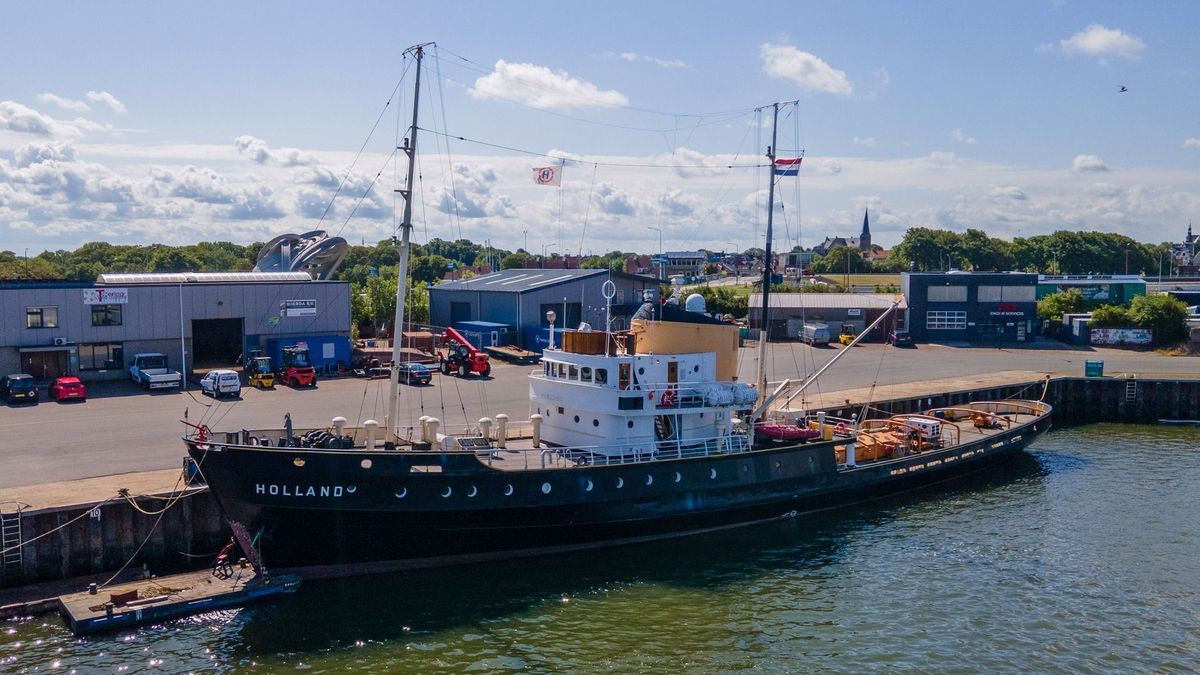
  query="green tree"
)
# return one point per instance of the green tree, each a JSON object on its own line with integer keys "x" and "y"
{"x": 841, "y": 260}
{"x": 1053, "y": 306}
{"x": 429, "y": 268}
{"x": 1109, "y": 316}
{"x": 721, "y": 300}
{"x": 1165, "y": 315}
{"x": 514, "y": 260}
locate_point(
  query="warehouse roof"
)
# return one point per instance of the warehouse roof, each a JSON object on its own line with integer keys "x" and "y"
{"x": 830, "y": 300}
{"x": 521, "y": 280}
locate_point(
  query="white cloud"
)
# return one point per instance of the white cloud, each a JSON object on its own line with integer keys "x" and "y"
{"x": 958, "y": 135}
{"x": 1101, "y": 42}
{"x": 865, "y": 141}
{"x": 258, "y": 150}
{"x": 1088, "y": 163}
{"x": 107, "y": 99}
{"x": 22, "y": 119}
{"x": 634, "y": 57}
{"x": 808, "y": 71}
{"x": 829, "y": 166}
{"x": 539, "y": 87}
{"x": 1192, "y": 143}
{"x": 36, "y": 153}
{"x": 64, "y": 103}
{"x": 1009, "y": 192}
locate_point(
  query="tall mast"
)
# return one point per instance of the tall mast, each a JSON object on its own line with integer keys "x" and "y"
{"x": 409, "y": 147}
{"x": 767, "y": 259}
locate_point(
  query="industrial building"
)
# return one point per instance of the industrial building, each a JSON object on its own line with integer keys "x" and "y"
{"x": 979, "y": 307}
{"x": 790, "y": 311}
{"x": 92, "y": 330}
{"x": 512, "y": 304}
{"x": 1096, "y": 289}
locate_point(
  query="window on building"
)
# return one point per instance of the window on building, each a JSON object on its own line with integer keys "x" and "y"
{"x": 106, "y": 315}
{"x": 1007, "y": 293}
{"x": 102, "y": 356}
{"x": 1018, "y": 293}
{"x": 947, "y": 294}
{"x": 946, "y": 320}
{"x": 41, "y": 317}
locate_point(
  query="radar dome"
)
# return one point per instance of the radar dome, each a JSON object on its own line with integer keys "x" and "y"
{"x": 695, "y": 303}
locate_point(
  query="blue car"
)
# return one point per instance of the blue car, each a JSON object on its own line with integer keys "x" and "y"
{"x": 415, "y": 373}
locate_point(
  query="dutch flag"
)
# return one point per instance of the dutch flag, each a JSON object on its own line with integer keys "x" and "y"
{"x": 788, "y": 167}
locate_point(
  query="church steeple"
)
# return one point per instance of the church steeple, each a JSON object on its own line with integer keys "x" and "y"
{"x": 864, "y": 238}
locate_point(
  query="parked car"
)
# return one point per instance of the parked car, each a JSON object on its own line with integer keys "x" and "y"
{"x": 68, "y": 388}
{"x": 218, "y": 383}
{"x": 415, "y": 373}
{"x": 900, "y": 338}
{"x": 18, "y": 388}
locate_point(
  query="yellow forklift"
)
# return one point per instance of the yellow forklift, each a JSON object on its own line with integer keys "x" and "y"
{"x": 259, "y": 372}
{"x": 847, "y": 335}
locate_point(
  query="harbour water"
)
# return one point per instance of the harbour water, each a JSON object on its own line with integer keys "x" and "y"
{"x": 1080, "y": 555}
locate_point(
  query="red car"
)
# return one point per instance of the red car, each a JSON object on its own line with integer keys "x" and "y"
{"x": 68, "y": 387}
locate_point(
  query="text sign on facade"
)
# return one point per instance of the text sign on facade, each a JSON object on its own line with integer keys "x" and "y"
{"x": 298, "y": 308}
{"x": 105, "y": 296}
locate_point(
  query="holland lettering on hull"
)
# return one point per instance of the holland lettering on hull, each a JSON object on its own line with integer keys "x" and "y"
{"x": 276, "y": 490}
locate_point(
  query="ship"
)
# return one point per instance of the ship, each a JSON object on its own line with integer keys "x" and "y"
{"x": 633, "y": 436}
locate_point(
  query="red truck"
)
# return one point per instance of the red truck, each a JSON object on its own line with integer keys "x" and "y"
{"x": 461, "y": 357}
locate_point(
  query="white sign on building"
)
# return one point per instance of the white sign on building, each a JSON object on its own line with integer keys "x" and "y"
{"x": 298, "y": 308}
{"x": 105, "y": 296}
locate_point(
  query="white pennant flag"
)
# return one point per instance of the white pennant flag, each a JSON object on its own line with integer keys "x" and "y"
{"x": 548, "y": 175}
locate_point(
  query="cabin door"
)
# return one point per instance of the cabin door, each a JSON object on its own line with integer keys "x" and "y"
{"x": 672, "y": 372}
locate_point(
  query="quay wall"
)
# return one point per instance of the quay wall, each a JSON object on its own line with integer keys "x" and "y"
{"x": 193, "y": 526}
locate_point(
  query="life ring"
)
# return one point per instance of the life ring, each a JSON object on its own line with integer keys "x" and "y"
{"x": 840, "y": 429}
{"x": 668, "y": 398}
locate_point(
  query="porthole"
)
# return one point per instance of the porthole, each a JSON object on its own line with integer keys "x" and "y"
{"x": 366, "y": 464}
{"x": 696, "y": 369}
{"x": 712, "y": 473}
{"x": 641, "y": 371}
{"x": 745, "y": 468}
{"x": 472, "y": 492}
{"x": 812, "y": 462}
{"x": 545, "y": 488}
{"x": 588, "y": 487}
{"x": 300, "y": 462}
{"x": 401, "y": 493}
{"x": 649, "y": 479}
{"x": 778, "y": 464}
{"x": 577, "y": 419}
{"x": 620, "y": 483}
{"x": 627, "y": 424}
{"x": 508, "y": 490}
{"x": 447, "y": 492}
{"x": 678, "y": 477}
{"x": 595, "y": 423}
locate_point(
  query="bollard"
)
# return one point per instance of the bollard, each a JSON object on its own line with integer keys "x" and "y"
{"x": 422, "y": 424}
{"x": 371, "y": 426}
{"x": 432, "y": 425}
{"x": 485, "y": 427}
{"x": 339, "y": 424}
{"x": 535, "y": 421}
{"x": 501, "y": 430}
{"x": 821, "y": 426}
{"x": 92, "y": 589}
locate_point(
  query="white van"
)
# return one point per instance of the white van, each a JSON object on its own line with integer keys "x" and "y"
{"x": 218, "y": 383}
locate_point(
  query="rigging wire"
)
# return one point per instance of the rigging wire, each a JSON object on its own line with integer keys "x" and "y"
{"x": 587, "y": 212}
{"x": 446, "y": 141}
{"x": 370, "y": 134}
{"x": 561, "y": 158}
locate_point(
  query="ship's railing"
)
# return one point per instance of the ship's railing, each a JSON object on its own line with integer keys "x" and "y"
{"x": 601, "y": 455}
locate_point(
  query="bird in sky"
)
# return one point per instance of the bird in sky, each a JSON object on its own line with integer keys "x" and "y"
{"x": 1123, "y": 89}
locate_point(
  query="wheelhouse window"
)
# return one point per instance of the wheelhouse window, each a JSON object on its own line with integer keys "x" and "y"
{"x": 572, "y": 372}
{"x": 585, "y": 374}
{"x": 106, "y": 315}
{"x": 601, "y": 376}
{"x": 41, "y": 317}
{"x": 101, "y": 356}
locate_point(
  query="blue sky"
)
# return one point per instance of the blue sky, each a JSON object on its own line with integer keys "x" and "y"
{"x": 179, "y": 123}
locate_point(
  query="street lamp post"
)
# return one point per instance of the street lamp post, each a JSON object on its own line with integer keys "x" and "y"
{"x": 544, "y": 247}
{"x": 660, "y": 253}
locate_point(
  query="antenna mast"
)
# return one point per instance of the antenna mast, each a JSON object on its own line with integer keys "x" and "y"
{"x": 409, "y": 146}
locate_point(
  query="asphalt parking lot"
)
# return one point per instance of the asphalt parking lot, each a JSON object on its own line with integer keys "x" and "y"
{"x": 121, "y": 428}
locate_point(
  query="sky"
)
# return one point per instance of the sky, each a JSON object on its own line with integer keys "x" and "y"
{"x": 141, "y": 123}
